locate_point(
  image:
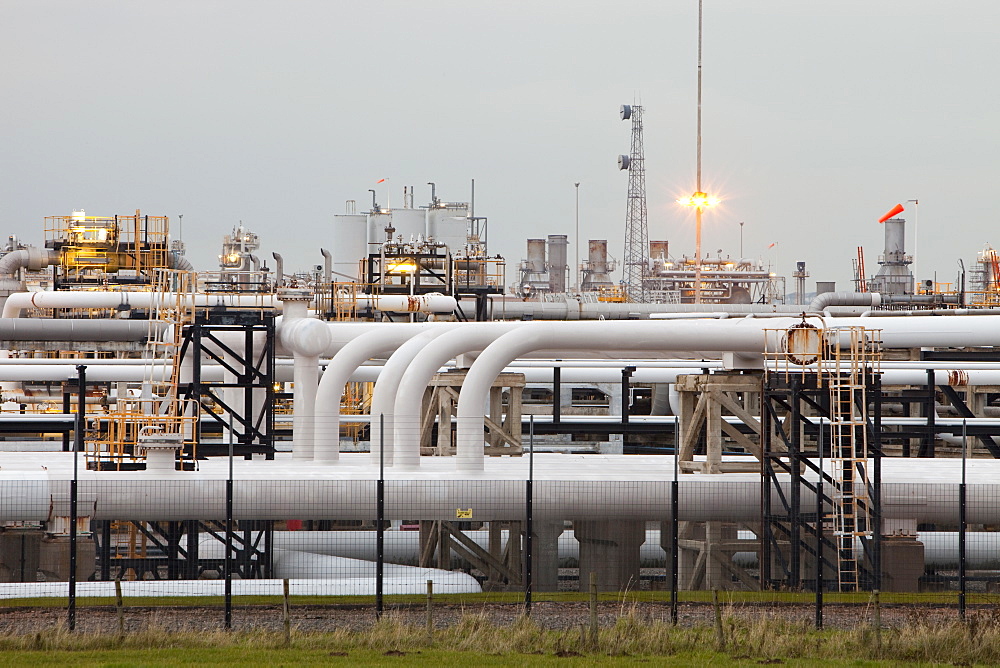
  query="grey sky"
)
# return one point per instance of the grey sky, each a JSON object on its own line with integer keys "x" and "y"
{"x": 818, "y": 117}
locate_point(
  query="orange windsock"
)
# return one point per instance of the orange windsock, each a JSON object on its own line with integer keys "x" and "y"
{"x": 892, "y": 212}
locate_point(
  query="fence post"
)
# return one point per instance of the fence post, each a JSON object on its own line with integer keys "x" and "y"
{"x": 961, "y": 528}
{"x": 528, "y": 513}
{"x": 120, "y": 606}
{"x": 380, "y": 520}
{"x": 81, "y": 425}
{"x": 819, "y": 532}
{"x": 720, "y": 636}
{"x": 593, "y": 609}
{"x": 228, "y": 564}
{"x": 286, "y": 617}
{"x": 674, "y": 525}
{"x": 878, "y": 624}
{"x": 430, "y": 611}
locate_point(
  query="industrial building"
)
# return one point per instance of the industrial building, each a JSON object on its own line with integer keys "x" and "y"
{"x": 145, "y": 403}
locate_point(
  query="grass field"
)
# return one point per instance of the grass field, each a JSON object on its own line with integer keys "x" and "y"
{"x": 632, "y": 640}
{"x": 728, "y": 597}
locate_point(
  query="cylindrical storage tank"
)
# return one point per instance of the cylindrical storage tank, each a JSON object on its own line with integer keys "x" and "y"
{"x": 448, "y": 227}
{"x": 895, "y": 237}
{"x": 557, "y": 262}
{"x": 825, "y": 286}
{"x": 597, "y": 257}
{"x": 409, "y": 223}
{"x": 351, "y": 234}
{"x": 536, "y": 256}
{"x": 377, "y": 222}
{"x": 658, "y": 251}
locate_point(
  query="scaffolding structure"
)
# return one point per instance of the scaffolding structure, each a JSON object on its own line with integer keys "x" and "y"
{"x": 105, "y": 250}
{"x": 821, "y": 403}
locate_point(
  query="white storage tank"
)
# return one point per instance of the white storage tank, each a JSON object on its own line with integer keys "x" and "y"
{"x": 350, "y": 233}
{"x": 409, "y": 224}
{"x": 377, "y": 222}
{"x": 451, "y": 231}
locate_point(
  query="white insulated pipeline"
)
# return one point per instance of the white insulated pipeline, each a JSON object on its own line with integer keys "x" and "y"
{"x": 573, "y": 487}
{"x": 108, "y": 299}
{"x": 426, "y": 303}
{"x": 746, "y": 335}
{"x": 345, "y": 362}
{"x": 743, "y": 335}
{"x": 351, "y": 344}
{"x": 403, "y": 547}
{"x": 402, "y": 399}
{"x": 381, "y": 428}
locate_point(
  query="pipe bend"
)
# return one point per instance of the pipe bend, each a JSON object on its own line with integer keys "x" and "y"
{"x": 383, "y": 398}
{"x": 362, "y": 347}
{"x": 409, "y": 394}
{"x": 822, "y": 301}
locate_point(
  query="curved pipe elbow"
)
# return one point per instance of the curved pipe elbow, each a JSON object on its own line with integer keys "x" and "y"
{"x": 823, "y": 301}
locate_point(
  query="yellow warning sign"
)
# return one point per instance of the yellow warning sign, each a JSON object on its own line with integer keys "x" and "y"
{"x": 463, "y": 513}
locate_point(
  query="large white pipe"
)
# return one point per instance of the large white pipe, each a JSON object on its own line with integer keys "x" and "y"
{"x": 409, "y": 392}
{"x": 426, "y": 303}
{"x": 86, "y": 299}
{"x": 383, "y": 397}
{"x": 746, "y": 335}
{"x": 566, "y": 487}
{"x": 306, "y": 338}
{"x": 403, "y": 547}
{"x": 737, "y": 335}
{"x": 344, "y": 363}
{"x": 402, "y": 582}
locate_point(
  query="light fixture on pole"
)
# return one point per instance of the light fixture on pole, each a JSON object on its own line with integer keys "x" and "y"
{"x": 913, "y": 262}
{"x": 578, "y": 250}
{"x": 699, "y": 201}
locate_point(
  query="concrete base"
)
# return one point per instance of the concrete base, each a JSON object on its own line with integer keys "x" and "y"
{"x": 19, "y": 551}
{"x": 902, "y": 564}
{"x": 53, "y": 559}
{"x": 545, "y": 555}
{"x": 611, "y": 550}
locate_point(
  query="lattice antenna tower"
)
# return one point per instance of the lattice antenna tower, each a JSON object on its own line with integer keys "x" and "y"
{"x": 636, "y": 232}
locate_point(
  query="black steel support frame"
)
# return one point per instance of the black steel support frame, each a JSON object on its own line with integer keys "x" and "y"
{"x": 789, "y": 530}
{"x": 925, "y": 398}
{"x": 173, "y": 554}
{"x": 253, "y": 428}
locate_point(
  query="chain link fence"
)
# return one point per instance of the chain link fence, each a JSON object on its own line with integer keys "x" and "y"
{"x": 320, "y": 554}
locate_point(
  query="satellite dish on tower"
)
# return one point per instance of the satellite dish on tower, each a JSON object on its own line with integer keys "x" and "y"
{"x": 623, "y": 162}
{"x": 626, "y": 112}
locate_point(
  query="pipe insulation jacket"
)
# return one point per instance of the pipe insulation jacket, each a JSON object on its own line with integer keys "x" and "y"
{"x": 745, "y": 335}
{"x": 78, "y": 329}
{"x": 145, "y": 300}
{"x": 574, "y": 487}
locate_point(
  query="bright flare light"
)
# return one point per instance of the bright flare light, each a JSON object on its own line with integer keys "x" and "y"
{"x": 699, "y": 200}
{"x": 404, "y": 267}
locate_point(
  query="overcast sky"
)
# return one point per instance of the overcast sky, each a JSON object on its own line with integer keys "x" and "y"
{"x": 818, "y": 118}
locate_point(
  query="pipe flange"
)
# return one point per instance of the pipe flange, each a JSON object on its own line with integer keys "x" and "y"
{"x": 295, "y": 294}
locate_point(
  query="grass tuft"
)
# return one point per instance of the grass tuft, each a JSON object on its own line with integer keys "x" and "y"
{"x": 760, "y": 638}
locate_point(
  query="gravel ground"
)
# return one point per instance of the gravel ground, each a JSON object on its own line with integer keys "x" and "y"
{"x": 562, "y": 615}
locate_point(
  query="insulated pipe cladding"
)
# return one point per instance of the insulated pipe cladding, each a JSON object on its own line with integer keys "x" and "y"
{"x": 382, "y": 408}
{"x": 379, "y": 341}
{"x": 574, "y": 487}
{"x": 740, "y": 336}
{"x": 105, "y": 300}
{"x": 409, "y": 392}
{"x": 745, "y": 335}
